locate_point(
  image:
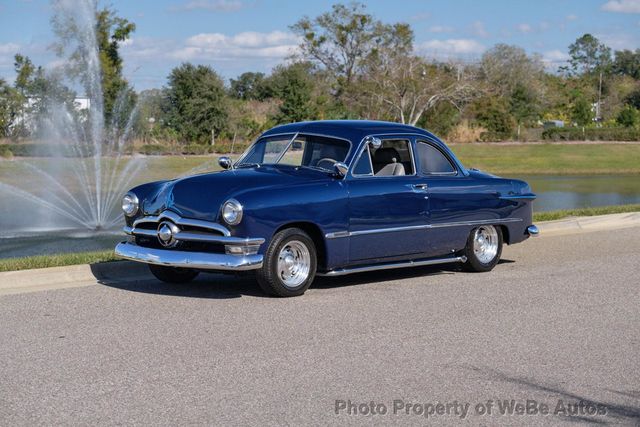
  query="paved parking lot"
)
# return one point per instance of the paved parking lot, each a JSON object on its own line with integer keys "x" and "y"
{"x": 556, "y": 323}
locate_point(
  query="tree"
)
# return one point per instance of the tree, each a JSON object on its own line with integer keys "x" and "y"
{"x": 628, "y": 117}
{"x": 293, "y": 85}
{"x": 627, "y": 63}
{"x": 342, "y": 39}
{"x": 247, "y": 86}
{"x": 633, "y": 99}
{"x": 10, "y": 106}
{"x": 197, "y": 106}
{"x": 408, "y": 86}
{"x": 581, "y": 112}
{"x": 504, "y": 68}
{"x": 589, "y": 56}
{"x": 75, "y": 41}
{"x": 492, "y": 112}
{"x": 523, "y": 106}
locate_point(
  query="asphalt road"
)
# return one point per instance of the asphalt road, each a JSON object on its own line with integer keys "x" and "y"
{"x": 556, "y": 323}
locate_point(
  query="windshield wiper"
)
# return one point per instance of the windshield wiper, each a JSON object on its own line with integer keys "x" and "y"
{"x": 247, "y": 165}
{"x": 317, "y": 168}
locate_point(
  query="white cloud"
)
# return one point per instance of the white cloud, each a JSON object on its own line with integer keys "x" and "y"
{"x": 276, "y": 44}
{"x": 622, "y": 6}
{"x": 454, "y": 46}
{"x": 477, "y": 29}
{"x": 209, "y": 47}
{"x": 572, "y": 17}
{"x": 524, "y": 28}
{"x": 441, "y": 29}
{"x": 7, "y": 52}
{"x": 620, "y": 41}
{"x": 212, "y": 5}
{"x": 9, "y": 48}
{"x": 554, "y": 56}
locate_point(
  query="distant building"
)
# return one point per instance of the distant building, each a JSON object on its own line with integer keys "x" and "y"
{"x": 553, "y": 124}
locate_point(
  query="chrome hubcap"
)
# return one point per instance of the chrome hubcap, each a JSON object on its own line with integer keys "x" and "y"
{"x": 294, "y": 263}
{"x": 485, "y": 243}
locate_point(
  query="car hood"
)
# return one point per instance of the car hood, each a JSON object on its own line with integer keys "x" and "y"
{"x": 201, "y": 196}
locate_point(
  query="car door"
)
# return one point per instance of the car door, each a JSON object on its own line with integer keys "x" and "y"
{"x": 455, "y": 201}
{"x": 387, "y": 203}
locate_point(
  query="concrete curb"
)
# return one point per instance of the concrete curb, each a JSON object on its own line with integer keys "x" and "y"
{"x": 589, "y": 223}
{"x": 74, "y": 276}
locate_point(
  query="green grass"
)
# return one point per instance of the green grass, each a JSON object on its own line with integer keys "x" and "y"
{"x": 58, "y": 260}
{"x": 551, "y": 159}
{"x": 602, "y": 210}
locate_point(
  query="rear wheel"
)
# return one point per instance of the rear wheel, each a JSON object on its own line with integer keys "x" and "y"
{"x": 173, "y": 274}
{"x": 484, "y": 247}
{"x": 289, "y": 264}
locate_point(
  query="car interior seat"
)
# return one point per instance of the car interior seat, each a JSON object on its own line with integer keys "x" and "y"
{"x": 386, "y": 162}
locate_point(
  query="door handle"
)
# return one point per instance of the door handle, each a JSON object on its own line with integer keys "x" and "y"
{"x": 421, "y": 187}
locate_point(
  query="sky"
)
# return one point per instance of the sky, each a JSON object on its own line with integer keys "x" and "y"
{"x": 234, "y": 36}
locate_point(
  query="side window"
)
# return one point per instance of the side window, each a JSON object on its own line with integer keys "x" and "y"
{"x": 432, "y": 161}
{"x": 392, "y": 158}
{"x": 363, "y": 166}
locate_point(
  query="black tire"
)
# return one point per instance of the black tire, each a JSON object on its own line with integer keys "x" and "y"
{"x": 173, "y": 274}
{"x": 269, "y": 277}
{"x": 474, "y": 263}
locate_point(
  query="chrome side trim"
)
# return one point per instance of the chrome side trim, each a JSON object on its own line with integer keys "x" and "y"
{"x": 530, "y": 196}
{"x": 197, "y": 260}
{"x": 533, "y": 231}
{"x": 338, "y": 234}
{"x": 411, "y": 263}
{"x": 178, "y": 220}
{"x": 188, "y": 236}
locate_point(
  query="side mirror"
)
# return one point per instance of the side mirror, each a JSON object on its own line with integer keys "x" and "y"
{"x": 341, "y": 169}
{"x": 375, "y": 142}
{"x": 225, "y": 162}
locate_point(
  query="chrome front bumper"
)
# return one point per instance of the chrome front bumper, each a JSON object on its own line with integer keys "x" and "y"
{"x": 197, "y": 260}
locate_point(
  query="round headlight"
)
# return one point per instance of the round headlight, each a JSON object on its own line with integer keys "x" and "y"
{"x": 130, "y": 204}
{"x": 232, "y": 212}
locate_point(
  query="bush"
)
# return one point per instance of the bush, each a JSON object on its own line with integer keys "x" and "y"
{"x": 490, "y": 136}
{"x": 628, "y": 117}
{"x": 5, "y": 152}
{"x": 196, "y": 149}
{"x": 154, "y": 149}
{"x": 592, "y": 134}
{"x": 44, "y": 150}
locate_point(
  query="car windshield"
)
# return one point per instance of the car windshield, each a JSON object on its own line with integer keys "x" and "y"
{"x": 296, "y": 150}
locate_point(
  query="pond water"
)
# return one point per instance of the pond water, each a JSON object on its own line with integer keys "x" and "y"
{"x": 554, "y": 193}
{"x": 557, "y": 192}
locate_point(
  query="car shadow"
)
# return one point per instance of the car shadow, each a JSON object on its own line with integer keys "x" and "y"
{"x": 136, "y": 277}
{"x": 384, "y": 276}
{"x": 616, "y": 412}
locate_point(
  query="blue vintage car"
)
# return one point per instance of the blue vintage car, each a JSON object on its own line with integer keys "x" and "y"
{"x": 327, "y": 198}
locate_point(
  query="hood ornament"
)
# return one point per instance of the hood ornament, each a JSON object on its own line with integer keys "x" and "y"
{"x": 166, "y": 233}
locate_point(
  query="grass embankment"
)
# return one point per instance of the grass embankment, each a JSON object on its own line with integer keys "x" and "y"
{"x": 551, "y": 159}
{"x": 57, "y": 260}
{"x": 602, "y": 210}
{"x": 43, "y": 261}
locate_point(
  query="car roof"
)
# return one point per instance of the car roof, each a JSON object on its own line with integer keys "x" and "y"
{"x": 356, "y": 130}
{"x": 353, "y": 130}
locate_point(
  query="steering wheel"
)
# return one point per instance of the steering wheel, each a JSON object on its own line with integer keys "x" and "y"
{"x": 326, "y": 160}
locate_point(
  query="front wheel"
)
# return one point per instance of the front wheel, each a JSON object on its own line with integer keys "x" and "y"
{"x": 483, "y": 250}
{"x": 289, "y": 264}
{"x": 172, "y": 274}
